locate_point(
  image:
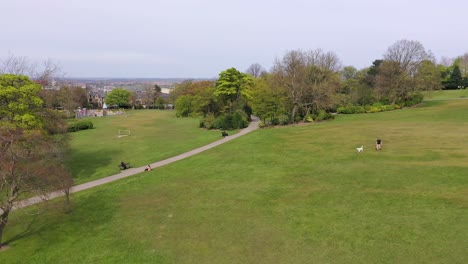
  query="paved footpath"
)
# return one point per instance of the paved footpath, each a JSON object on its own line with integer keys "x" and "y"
{"x": 132, "y": 171}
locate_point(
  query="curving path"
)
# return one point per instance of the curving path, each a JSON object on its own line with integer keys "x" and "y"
{"x": 132, "y": 171}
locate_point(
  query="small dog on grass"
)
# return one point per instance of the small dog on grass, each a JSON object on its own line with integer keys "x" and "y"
{"x": 361, "y": 149}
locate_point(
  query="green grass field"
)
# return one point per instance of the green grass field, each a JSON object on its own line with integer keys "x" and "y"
{"x": 154, "y": 135}
{"x": 297, "y": 194}
{"x": 447, "y": 94}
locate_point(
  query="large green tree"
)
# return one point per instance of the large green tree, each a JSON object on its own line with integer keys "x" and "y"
{"x": 31, "y": 160}
{"x": 268, "y": 101}
{"x": 119, "y": 97}
{"x": 233, "y": 88}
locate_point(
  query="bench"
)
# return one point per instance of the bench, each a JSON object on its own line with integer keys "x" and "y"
{"x": 224, "y": 134}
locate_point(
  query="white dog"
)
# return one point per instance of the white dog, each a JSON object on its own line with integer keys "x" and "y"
{"x": 361, "y": 149}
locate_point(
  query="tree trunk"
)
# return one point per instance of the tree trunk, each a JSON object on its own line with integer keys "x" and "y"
{"x": 3, "y": 222}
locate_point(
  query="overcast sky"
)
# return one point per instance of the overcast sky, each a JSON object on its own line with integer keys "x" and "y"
{"x": 200, "y": 38}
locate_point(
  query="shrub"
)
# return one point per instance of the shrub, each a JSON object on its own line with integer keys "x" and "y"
{"x": 80, "y": 125}
{"x": 239, "y": 119}
{"x": 309, "y": 118}
{"x": 351, "y": 109}
{"x": 223, "y": 122}
{"x": 283, "y": 119}
{"x": 323, "y": 115}
{"x": 414, "y": 100}
{"x": 208, "y": 122}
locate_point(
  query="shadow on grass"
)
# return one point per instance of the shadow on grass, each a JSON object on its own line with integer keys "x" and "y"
{"x": 84, "y": 163}
{"x": 54, "y": 225}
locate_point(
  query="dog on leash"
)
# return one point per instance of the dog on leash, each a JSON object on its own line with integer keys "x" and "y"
{"x": 361, "y": 149}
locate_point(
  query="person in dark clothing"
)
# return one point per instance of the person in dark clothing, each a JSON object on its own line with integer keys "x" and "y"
{"x": 378, "y": 144}
{"x": 123, "y": 165}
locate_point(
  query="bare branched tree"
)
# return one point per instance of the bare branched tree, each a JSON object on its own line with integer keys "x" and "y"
{"x": 18, "y": 65}
{"x": 408, "y": 54}
{"x": 256, "y": 70}
{"x": 397, "y": 76}
{"x": 47, "y": 74}
{"x": 310, "y": 79}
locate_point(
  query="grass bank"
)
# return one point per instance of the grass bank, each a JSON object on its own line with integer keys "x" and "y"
{"x": 283, "y": 195}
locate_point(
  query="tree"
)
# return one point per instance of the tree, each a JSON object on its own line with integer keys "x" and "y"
{"x": 428, "y": 77}
{"x": 256, "y": 70}
{"x": 20, "y": 65}
{"x": 183, "y": 106}
{"x": 310, "y": 79}
{"x": 268, "y": 101}
{"x": 204, "y": 101}
{"x": 455, "y": 78}
{"x": 66, "y": 98}
{"x": 119, "y": 97}
{"x": 29, "y": 160}
{"x": 290, "y": 74}
{"x": 233, "y": 87}
{"x": 395, "y": 80}
{"x": 152, "y": 93}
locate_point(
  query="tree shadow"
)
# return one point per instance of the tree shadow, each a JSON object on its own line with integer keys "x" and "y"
{"x": 85, "y": 164}
{"x": 54, "y": 225}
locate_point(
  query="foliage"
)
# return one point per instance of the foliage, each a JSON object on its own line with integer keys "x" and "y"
{"x": 31, "y": 159}
{"x": 183, "y": 106}
{"x": 208, "y": 121}
{"x": 267, "y": 101}
{"x": 351, "y": 109}
{"x": 310, "y": 80}
{"x": 397, "y": 78}
{"x": 307, "y": 196}
{"x": 119, "y": 97}
{"x": 233, "y": 88}
{"x": 19, "y": 103}
{"x": 66, "y": 98}
{"x": 80, "y": 125}
{"x": 323, "y": 115}
{"x": 228, "y": 121}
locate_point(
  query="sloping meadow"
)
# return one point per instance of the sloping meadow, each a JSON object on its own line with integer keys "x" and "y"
{"x": 299, "y": 194}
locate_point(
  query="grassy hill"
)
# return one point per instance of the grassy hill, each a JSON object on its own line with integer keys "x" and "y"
{"x": 154, "y": 135}
{"x": 299, "y": 194}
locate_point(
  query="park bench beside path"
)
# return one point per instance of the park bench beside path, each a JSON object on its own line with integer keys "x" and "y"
{"x": 133, "y": 171}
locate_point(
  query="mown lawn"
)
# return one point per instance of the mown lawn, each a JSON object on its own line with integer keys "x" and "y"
{"x": 447, "y": 94}
{"x": 284, "y": 195}
{"x": 154, "y": 135}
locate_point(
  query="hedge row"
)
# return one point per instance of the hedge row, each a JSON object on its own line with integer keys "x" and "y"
{"x": 80, "y": 125}
{"x": 235, "y": 120}
{"x": 357, "y": 109}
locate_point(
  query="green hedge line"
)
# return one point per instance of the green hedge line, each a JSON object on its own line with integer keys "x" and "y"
{"x": 80, "y": 125}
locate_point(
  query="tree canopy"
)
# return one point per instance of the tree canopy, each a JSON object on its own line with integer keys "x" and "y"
{"x": 31, "y": 159}
{"x": 119, "y": 97}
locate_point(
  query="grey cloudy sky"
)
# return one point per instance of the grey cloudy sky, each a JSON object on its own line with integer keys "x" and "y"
{"x": 200, "y": 38}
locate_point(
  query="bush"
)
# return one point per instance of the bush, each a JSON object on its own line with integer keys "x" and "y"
{"x": 239, "y": 119}
{"x": 351, "y": 109}
{"x": 283, "y": 119}
{"x": 208, "y": 122}
{"x": 230, "y": 121}
{"x": 80, "y": 125}
{"x": 414, "y": 100}
{"x": 309, "y": 118}
{"x": 323, "y": 115}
